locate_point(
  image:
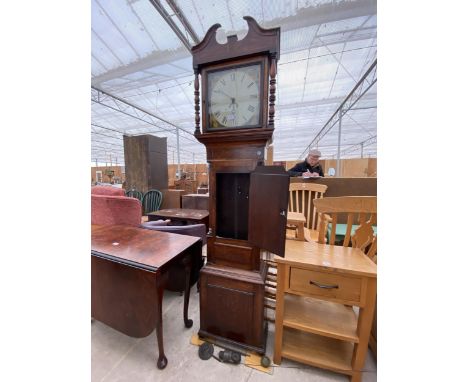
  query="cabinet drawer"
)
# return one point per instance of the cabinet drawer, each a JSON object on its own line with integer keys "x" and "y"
{"x": 330, "y": 285}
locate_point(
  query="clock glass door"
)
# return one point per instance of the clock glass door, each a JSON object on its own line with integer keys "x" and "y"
{"x": 234, "y": 97}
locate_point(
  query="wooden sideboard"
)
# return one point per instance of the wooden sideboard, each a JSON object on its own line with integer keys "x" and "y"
{"x": 317, "y": 285}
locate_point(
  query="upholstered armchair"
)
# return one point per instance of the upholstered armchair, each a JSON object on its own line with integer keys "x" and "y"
{"x": 110, "y": 210}
{"x": 107, "y": 190}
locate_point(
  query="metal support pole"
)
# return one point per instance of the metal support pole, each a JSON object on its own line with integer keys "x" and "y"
{"x": 338, "y": 161}
{"x": 178, "y": 152}
{"x": 194, "y": 167}
{"x": 353, "y": 97}
{"x": 362, "y": 150}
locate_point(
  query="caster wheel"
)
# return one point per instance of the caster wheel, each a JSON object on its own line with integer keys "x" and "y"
{"x": 205, "y": 351}
{"x": 265, "y": 361}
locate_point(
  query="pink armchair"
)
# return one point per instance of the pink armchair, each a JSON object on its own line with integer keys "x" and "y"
{"x": 110, "y": 210}
{"x": 107, "y": 190}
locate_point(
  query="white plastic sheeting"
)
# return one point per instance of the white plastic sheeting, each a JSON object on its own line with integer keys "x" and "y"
{"x": 326, "y": 47}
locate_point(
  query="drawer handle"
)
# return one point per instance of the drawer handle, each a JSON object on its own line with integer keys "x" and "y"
{"x": 323, "y": 286}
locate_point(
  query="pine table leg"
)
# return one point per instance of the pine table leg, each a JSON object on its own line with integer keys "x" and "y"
{"x": 366, "y": 315}
{"x": 279, "y": 313}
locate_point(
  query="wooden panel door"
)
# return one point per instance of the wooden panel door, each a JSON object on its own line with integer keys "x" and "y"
{"x": 268, "y": 206}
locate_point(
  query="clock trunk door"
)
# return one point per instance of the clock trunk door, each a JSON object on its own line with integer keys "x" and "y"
{"x": 268, "y": 208}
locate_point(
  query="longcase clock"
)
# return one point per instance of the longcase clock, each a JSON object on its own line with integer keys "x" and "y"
{"x": 247, "y": 200}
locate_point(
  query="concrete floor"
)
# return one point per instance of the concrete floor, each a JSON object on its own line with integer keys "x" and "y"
{"x": 117, "y": 357}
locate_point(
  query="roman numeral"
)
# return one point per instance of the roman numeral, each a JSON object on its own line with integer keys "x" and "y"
{"x": 251, "y": 108}
{"x": 233, "y": 76}
{"x": 224, "y": 120}
{"x": 223, "y": 82}
{"x": 250, "y": 84}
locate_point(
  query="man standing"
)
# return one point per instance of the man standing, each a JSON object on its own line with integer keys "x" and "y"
{"x": 310, "y": 168}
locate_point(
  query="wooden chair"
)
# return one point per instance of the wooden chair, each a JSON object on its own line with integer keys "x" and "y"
{"x": 361, "y": 216}
{"x": 360, "y": 213}
{"x": 301, "y": 197}
{"x": 135, "y": 194}
{"x": 151, "y": 201}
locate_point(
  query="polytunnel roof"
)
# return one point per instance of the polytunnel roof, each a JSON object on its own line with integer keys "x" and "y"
{"x": 142, "y": 76}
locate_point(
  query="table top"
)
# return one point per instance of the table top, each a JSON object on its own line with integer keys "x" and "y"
{"x": 336, "y": 258}
{"x": 138, "y": 247}
{"x": 181, "y": 213}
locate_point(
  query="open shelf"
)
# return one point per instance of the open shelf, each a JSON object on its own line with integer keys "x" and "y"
{"x": 315, "y": 350}
{"x": 320, "y": 317}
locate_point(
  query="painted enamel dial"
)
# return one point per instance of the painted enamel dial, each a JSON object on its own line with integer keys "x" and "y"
{"x": 234, "y": 97}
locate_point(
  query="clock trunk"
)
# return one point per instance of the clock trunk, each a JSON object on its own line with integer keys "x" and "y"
{"x": 248, "y": 206}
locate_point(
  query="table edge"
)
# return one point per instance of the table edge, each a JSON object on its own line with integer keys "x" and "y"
{"x": 116, "y": 259}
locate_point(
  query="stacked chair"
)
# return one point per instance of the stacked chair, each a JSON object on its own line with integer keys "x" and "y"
{"x": 301, "y": 197}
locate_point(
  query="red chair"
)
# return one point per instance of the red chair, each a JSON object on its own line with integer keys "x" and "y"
{"x": 107, "y": 190}
{"x": 113, "y": 210}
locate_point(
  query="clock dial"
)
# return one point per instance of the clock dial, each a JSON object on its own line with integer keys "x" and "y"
{"x": 234, "y": 97}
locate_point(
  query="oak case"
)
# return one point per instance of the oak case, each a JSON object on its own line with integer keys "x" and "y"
{"x": 247, "y": 200}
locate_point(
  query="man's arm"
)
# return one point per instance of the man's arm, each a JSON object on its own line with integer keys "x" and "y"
{"x": 297, "y": 170}
{"x": 321, "y": 171}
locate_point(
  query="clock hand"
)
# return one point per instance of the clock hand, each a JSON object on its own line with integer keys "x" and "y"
{"x": 224, "y": 93}
{"x": 233, "y": 103}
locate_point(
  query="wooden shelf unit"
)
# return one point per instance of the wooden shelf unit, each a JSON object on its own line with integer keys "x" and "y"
{"x": 323, "y": 352}
{"x": 315, "y": 323}
{"x": 320, "y": 317}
